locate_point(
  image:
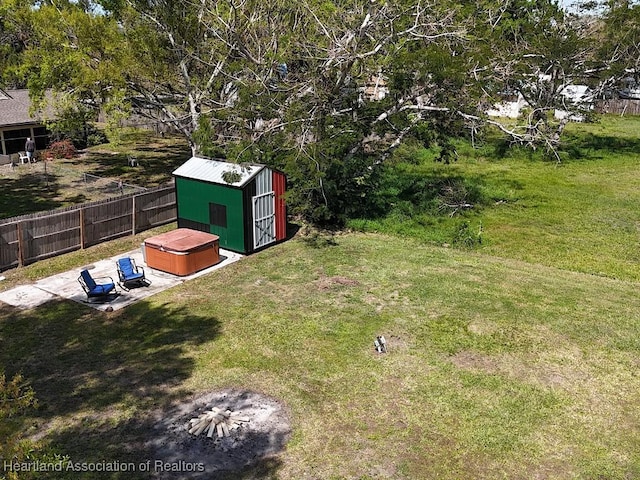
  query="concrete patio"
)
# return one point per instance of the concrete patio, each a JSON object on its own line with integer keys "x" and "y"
{"x": 66, "y": 284}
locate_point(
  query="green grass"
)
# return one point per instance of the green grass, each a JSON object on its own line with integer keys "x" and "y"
{"x": 581, "y": 214}
{"x": 513, "y": 360}
{"x": 496, "y": 368}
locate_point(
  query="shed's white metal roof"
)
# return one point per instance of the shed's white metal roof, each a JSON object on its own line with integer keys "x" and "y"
{"x": 207, "y": 170}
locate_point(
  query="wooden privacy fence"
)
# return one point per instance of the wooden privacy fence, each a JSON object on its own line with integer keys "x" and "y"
{"x": 29, "y": 238}
{"x": 619, "y": 107}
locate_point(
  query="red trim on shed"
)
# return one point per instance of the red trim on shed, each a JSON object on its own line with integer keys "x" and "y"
{"x": 279, "y": 186}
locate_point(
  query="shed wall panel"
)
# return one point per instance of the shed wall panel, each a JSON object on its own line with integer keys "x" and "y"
{"x": 279, "y": 188}
{"x": 193, "y": 201}
{"x": 263, "y": 182}
{"x": 247, "y": 204}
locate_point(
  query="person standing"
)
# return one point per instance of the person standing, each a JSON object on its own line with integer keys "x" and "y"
{"x": 30, "y": 148}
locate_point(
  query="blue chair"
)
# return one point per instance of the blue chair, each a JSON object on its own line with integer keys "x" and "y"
{"x": 130, "y": 274}
{"x": 96, "y": 290}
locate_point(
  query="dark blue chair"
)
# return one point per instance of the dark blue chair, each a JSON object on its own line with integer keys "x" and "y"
{"x": 95, "y": 290}
{"x": 130, "y": 274}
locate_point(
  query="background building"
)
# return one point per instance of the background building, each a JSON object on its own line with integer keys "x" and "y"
{"x": 16, "y": 123}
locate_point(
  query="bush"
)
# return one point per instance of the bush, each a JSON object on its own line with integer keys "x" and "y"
{"x": 60, "y": 149}
{"x": 465, "y": 237}
{"x": 96, "y": 138}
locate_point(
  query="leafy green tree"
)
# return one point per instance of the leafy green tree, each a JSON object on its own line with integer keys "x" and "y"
{"x": 305, "y": 104}
{"x": 284, "y": 84}
{"x": 16, "y": 36}
{"x": 618, "y": 38}
{"x": 71, "y": 52}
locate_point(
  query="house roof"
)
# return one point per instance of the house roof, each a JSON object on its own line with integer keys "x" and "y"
{"x": 14, "y": 108}
{"x": 198, "y": 168}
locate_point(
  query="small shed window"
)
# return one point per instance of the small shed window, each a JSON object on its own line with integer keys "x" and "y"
{"x": 218, "y": 215}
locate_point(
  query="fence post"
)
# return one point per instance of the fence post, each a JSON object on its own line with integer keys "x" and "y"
{"x": 20, "y": 245}
{"x": 81, "y": 210}
{"x": 133, "y": 214}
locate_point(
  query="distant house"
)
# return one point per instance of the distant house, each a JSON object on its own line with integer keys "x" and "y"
{"x": 571, "y": 95}
{"x": 575, "y": 95}
{"x": 16, "y": 124}
{"x": 630, "y": 89}
{"x": 510, "y": 107}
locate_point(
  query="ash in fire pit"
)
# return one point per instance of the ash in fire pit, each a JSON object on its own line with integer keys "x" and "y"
{"x": 253, "y": 429}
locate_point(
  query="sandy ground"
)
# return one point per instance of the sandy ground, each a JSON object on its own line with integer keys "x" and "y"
{"x": 264, "y": 435}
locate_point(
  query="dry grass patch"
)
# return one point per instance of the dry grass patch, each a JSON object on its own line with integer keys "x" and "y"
{"x": 328, "y": 283}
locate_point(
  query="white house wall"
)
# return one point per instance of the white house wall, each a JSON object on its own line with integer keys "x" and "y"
{"x": 508, "y": 109}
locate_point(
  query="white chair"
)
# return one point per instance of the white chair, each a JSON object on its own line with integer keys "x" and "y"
{"x": 23, "y": 157}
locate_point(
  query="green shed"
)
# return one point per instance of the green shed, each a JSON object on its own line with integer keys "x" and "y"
{"x": 242, "y": 204}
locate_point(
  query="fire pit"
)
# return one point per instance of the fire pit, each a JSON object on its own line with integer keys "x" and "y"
{"x": 257, "y": 429}
{"x": 222, "y": 422}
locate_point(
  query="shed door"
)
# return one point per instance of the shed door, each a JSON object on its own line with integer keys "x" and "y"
{"x": 264, "y": 219}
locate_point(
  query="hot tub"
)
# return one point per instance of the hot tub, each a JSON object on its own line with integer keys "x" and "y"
{"x": 182, "y": 251}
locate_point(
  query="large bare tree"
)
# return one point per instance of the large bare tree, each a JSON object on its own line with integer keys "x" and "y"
{"x": 324, "y": 90}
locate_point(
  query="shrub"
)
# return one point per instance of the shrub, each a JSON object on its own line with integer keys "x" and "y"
{"x": 465, "y": 237}
{"x": 60, "y": 149}
{"x": 97, "y": 138}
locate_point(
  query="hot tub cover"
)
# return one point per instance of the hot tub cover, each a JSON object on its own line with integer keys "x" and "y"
{"x": 181, "y": 240}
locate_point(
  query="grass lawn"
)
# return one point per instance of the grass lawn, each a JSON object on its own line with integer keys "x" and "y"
{"x": 515, "y": 360}
{"x": 581, "y": 214}
{"x": 31, "y": 188}
{"x": 496, "y": 368}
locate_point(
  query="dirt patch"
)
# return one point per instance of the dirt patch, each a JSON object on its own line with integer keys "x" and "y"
{"x": 482, "y": 328}
{"x": 468, "y": 360}
{"x": 325, "y": 283}
{"x": 264, "y": 436}
{"x": 564, "y": 371}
